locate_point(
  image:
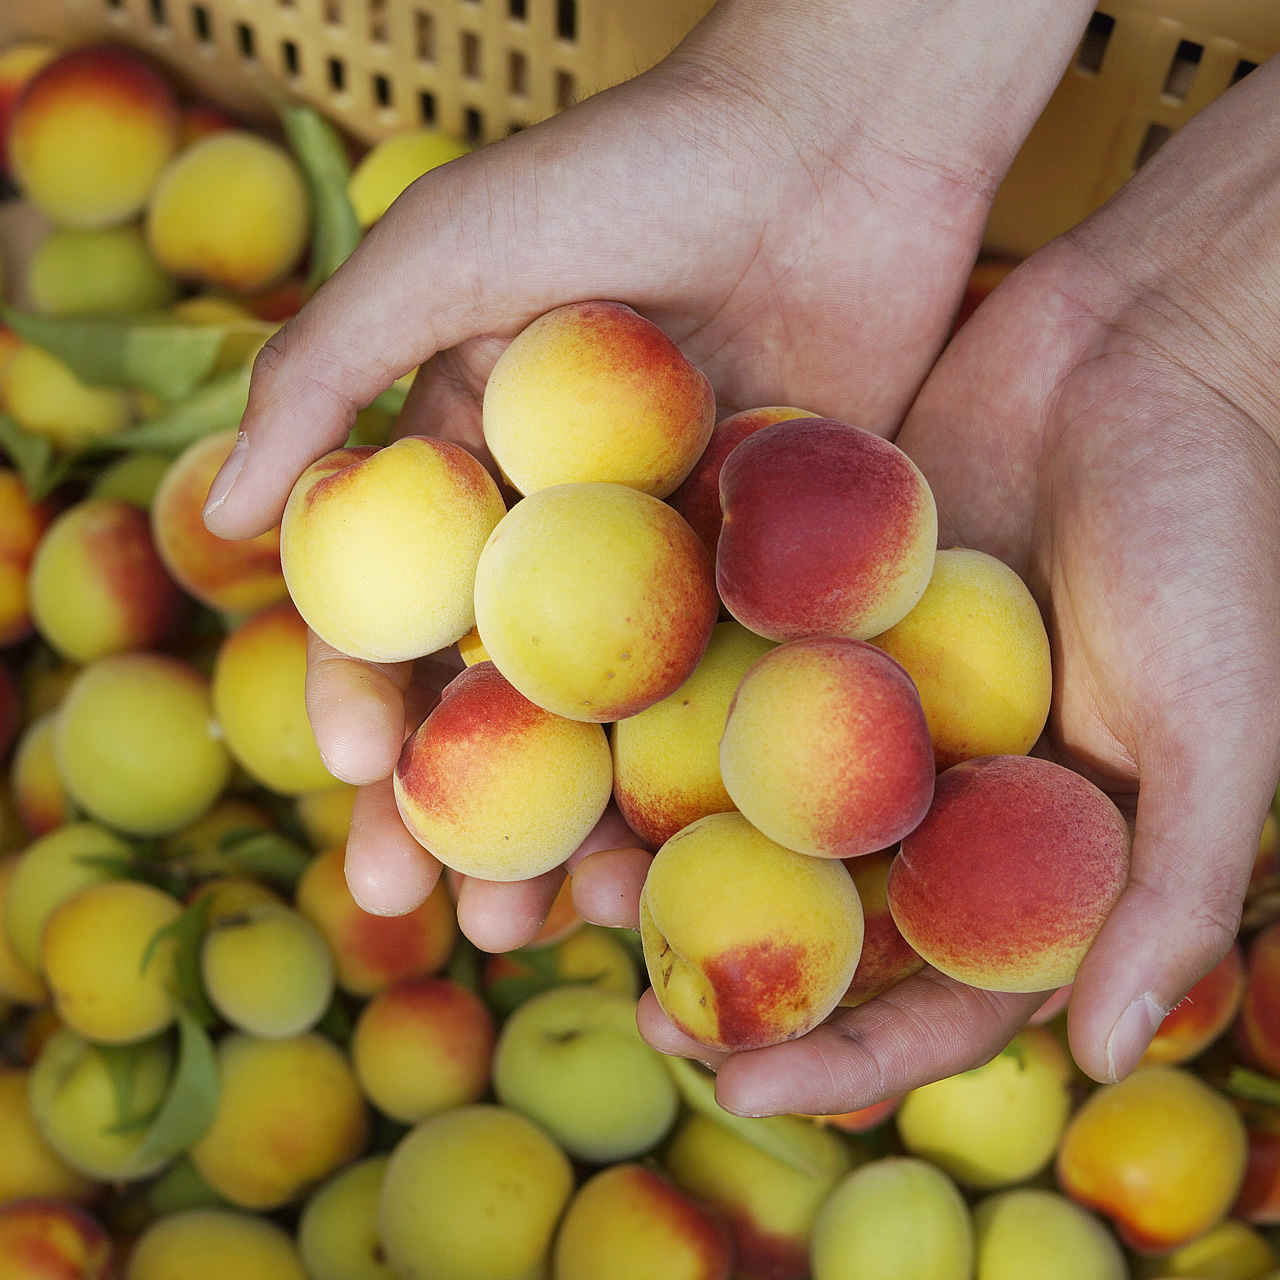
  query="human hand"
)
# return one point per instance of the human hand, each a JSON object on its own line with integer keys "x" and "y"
{"x": 1108, "y": 424}
{"x": 795, "y": 196}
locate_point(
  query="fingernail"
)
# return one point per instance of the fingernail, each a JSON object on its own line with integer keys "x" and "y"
{"x": 1131, "y": 1035}
{"x": 226, "y": 477}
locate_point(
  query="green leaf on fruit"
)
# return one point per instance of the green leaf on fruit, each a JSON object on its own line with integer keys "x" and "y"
{"x": 158, "y": 353}
{"x": 189, "y": 1105}
{"x": 266, "y": 855}
{"x": 464, "y": 965}
{"x": 392, "y": 399}
{"x": 785, "y": 1138}
{"x": 187, "y": 933}
{"x": 216, "y": 406}
{"x": 335, "y": 229}
{"x": 181, "y": 1187}
{"x": 122, "y": 1062}
{"x": 1253, "y": 1086}
{"x": 31, "y": 455}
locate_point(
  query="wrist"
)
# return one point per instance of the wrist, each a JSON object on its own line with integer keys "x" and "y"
{"x": 1185, "y": 259}
{"x": 951, "y": 87}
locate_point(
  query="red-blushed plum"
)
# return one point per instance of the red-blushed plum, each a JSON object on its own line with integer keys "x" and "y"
{"x": 47, "y": 1239}
{"x": 421, "y": 1046}
{"x": 628, "y": 1222}
{"x": 1259, "y": 1198}
{"x": 887, "y": 957}
{"x": 22, "y": 523}
{"x": 1009, "y": 878}
{"x": 496, "y": 787}
{"x": 828, "y": 530}
{"x": 371, "y": 952}
{"x": 826, "y": 749}
{"x": 769, "y": 1204}
{"x": 380, "y": 546}
{"x": 666, "y": 759}
{"x": 97, "y": 585}
{"x": 747, "y": 943}
{"x": 698, "y": 497}
{"x": 90, "y": 134}
{"x": 594, "y": 391}
{"x": 1204, "y": 1013}
{"x": 1162, "y": 1154}
{"x": 19, "y": 61}
{"x": 1257, "y": 1029}
{"x": 238, "y": 577}
{"x": 594, "y": 600}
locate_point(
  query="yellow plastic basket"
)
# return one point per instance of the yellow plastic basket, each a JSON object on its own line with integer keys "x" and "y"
{"x": 1144, "y": 68}
{"x": 478, "y": 69}
{"x": 481, "y": 68}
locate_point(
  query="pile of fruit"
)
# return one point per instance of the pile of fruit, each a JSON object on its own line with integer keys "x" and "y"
{"x": 214, "y": 1063}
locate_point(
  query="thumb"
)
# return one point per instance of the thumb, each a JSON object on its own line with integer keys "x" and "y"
{"x": 480, "y": 245}
{"x": 1199, "y": 816}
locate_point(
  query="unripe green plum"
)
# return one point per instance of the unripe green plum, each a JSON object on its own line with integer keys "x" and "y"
{"x": 268, "y": 971}
{"x": 93, "y": 1116}
{"x": 338, "y": 1229}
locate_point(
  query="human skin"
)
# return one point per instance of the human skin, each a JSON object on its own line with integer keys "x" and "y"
{"x": 1141, "y": 546}
{"x": 908, "y": 155}
{"x": 1154, "y": 561}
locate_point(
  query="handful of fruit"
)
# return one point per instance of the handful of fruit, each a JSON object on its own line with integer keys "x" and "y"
{"x": 777, "y": 758}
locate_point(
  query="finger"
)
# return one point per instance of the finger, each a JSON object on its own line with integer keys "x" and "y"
{"x": 388, "y": 872}
{"x": 607, "y": 887}
{"x": 667, "y": 1038}
{"x": 611, "y": 832}
{"x": 503, "y": 915}
{"x": 1200, "y": 810}
{"x": 1052, "y": 1007}
{"x": 922, "y": 1029}
{"x": 439, "y": 267}
{"x": 356, "y": 710}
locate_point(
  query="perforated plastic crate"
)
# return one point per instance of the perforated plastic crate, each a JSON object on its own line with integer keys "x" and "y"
{"x": 480, "y": 68}
{"x": 1144, "y": 68}
{"x": 475, "y": 68}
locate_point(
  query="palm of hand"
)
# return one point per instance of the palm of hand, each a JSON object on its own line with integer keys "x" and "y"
{"x": 1064, "y": 435}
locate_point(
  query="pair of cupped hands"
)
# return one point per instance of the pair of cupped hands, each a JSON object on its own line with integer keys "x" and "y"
{"x": 802, "y": 224}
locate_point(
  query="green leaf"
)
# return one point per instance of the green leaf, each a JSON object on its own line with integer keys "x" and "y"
{"x": 506, "y": 995}
{"x": 336, "y": 1023}
{"x": 189, "y": 1106}
{"x": 160, "y": 354}
{"x": 392, "y": 400}
{"x": 216, "y": 406}
{"x": 1253, "y": 1086}
{"x": 464, "y": 965}
{"x": 335, "y": 229}
{"x": 785, "y": 1138}
{"x": 121, "y": 1061}
{"x": 188, "y": 932}
{"x": 31, "y": 455}
{"x": 181, "y": 1187}
{"x": 266, "y": 855}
